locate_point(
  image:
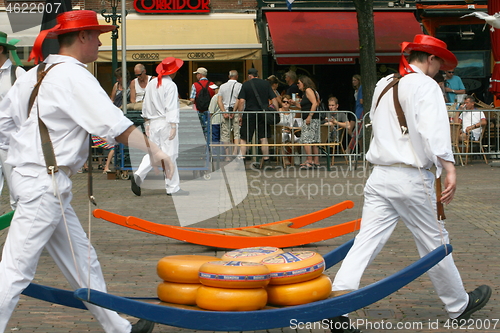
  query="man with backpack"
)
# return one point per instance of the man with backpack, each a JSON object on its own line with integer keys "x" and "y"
{"x": 201, "y": 95}
{"x": 8, "y": 75}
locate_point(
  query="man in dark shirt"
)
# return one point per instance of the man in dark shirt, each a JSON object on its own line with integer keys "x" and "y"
{"x": 293, "y": 88}
{"x": 255, "y": 118}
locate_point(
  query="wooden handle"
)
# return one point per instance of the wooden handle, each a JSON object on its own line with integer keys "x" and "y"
{"x": 439, "y": 204}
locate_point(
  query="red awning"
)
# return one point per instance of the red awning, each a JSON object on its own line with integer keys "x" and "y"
{"x": 494, "y": 7}
{"x": 332, "y": 37}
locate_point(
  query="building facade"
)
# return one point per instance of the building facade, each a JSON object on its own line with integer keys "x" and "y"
{"x": 315, "y": 38}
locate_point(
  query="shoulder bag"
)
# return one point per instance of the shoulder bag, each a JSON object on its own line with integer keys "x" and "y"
{"x": 271, "y": 118}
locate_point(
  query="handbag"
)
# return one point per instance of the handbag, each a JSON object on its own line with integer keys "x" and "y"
{"x": 271, "y": 118}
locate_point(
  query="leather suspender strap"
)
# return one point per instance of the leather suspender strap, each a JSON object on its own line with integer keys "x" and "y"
{"x": 399, "y": 110}
{"x": 13, "y": 75}
{"x": 47, "y": 148}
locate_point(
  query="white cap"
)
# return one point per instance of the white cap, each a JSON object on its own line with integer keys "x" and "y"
{"x": 201, "y": 70}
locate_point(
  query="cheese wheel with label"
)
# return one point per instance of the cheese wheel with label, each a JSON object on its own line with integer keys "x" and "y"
{"x": 224, "y": 299}
{"x": 178, "y": 293}
{"x": 182, "y": 268}
{"x": 234, "y": 274}
{"x": 252, "y": 254}
{"x": 300, "y": 293}
{"x": 294, "y": 267}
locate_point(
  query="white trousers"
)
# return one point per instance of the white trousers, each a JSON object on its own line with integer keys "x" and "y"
{"x": 38, "y": 224}
{"x": 159, "y": 132}
{"x": 392, "y": 193}
{"x": 5, "y": 173}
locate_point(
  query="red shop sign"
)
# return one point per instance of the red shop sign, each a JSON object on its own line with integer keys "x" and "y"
{"x": 172, "y": 6}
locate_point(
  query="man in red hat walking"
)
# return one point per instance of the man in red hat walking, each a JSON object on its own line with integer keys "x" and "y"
{"x": 161, "y": 111}
{"x": 71, "y": 104}
{"x": 401, "y": 185}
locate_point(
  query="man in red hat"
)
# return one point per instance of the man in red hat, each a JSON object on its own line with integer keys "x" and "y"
{"x": 71, "y": 104}
{"x": 401, "y": 185}
{"x": 161, "y": 112}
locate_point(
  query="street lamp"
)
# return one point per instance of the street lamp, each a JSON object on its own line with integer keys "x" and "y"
{"x": 113, "y": 18}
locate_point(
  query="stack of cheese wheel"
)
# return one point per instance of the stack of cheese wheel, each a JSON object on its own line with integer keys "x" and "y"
{"x": 297, "y": 278}
{"x": 180, "y": 278}
{"x": 252, "y": 254}
{"x": 232, "y": 286}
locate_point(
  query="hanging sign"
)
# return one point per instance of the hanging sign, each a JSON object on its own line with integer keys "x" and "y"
{"x": 172, "y": 6}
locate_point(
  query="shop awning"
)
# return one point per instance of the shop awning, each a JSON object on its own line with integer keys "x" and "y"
{"x": 195, "y": 37}
{"x": 332, "y": 37}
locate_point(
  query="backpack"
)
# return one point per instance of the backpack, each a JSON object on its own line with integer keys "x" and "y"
{"x": 203, "y": 98}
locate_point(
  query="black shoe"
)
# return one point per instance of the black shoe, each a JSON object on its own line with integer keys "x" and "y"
{"x": 134, "y": 187}
{"x": 180, "y": 192}
{"x": 342, "y": 324}
{"x": 143, "y": 326}
{"x": 477, "y": 299}
{"x": 266, "y": 164}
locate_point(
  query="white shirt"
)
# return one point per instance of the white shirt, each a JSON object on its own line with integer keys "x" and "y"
{"x": 162, "y": 101}
{"x": 225, "y": 92}
{"x": 215, "y": 114}
{"x": 5, "y": 79}
{"x": 72, "y": 104}
{"x": 427, "y": 119}
{"x": 471, "y": 118}
{"x": 140, "y": 91}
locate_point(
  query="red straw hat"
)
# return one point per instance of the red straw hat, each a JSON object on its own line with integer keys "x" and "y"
{"x": 168, "y": 66}
{"x": 71, "y": 21}
{"x": 430, "y": 45}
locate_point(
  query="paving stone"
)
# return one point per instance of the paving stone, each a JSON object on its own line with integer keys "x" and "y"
{"x": 128, "y": 257}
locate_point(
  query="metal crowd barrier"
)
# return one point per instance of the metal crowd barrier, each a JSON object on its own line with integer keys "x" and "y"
{"x": 284, "y": 138}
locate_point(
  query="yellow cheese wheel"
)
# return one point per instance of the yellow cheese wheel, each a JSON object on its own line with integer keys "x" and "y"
{"x": 234, "y": 274}
{"x": 223, "y": 299}
{"x": 178, "y": 293}
{"x": 294, "y": 267}
{"x": 252, "y": 254}
{"x": 300, "y": 293}
{"x": 182, "y": 268}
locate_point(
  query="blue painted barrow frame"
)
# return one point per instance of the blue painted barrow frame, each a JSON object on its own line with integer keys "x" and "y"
{"x": 195, "y": 318}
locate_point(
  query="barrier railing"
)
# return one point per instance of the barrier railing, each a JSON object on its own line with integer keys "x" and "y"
{"x": 284, "y": 138}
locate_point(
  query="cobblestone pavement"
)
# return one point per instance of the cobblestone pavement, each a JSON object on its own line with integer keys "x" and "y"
{"x": 128, "y": 257}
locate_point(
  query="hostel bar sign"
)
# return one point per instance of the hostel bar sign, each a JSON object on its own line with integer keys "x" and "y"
{"x": 172, "y": 6}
